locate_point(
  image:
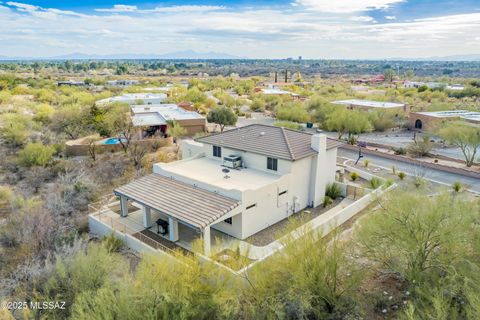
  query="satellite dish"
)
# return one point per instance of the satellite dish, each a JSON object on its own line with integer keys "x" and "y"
{"x": 226, "y": 171}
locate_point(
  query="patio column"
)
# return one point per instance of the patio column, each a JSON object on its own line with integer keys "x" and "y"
{"x": 123, "y": 206}
{"x": 147, "y": 217}
{"x": 172, "y": 229}
{"x": 206, "y": 242}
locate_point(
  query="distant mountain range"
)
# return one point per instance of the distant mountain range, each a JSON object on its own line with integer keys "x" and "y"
{"x": 459, "y": 57}
{"x": 187, "y": 54}
{"x": 193, "y": 55}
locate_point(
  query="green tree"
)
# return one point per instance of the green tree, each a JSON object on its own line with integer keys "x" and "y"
{"x": 389, "y": 75}
{"x": 292, "y": 111}
{"x": 464, "y": 136}
{"x": 175, "y": 130}
{"x": 350, "y": 122}
{"x": 222, "y": 116}
{"x": 409, "y": 74}
{"x": 35, "y": 154}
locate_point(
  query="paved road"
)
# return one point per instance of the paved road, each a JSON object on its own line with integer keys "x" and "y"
{"x": 430, "y": 174}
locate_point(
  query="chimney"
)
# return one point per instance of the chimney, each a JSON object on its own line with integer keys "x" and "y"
{"x": 319, "y": 142}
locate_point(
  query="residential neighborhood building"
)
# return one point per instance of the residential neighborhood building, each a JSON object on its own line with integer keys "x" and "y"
{"x": 237, "y": 182}
{"x": 429, "y": 121}
{"x": 153, "y": 119}
{"x": 432, "y": 85}
{"x": 136, "y": 98}
{"x": 123, "y": 83}
{"x": 371, "y": 105}
{"x": 276, "y": 91}
{"x": 72, "y": 83}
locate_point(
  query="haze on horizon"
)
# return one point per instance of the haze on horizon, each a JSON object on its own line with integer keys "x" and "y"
{"x": 343, "y": 29}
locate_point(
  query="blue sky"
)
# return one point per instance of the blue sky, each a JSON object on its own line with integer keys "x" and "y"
{"x": 355, "y": 29}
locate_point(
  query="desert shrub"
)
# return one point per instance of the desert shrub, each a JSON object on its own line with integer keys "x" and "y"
{"x": 366, "y": 163}
{"x": 35, "y": 154}
{"x": 402, "y": 175}
{"x": 71, "y": 193}
{"x": 84, "y": 274}
{"x": 258, "y": 105}
{"x": 354, "y": 176}
{"x": 457, "y": 186}
{"x": 15, "y": 128}
{"x": 420, "y": 148}
{"x": 428, "y": 245}
{"x": 112, "y": 243}
{"x": 399, "y": 150}
{"x": 333, "y": 190}
{"x": 375, "y": 183}
{"x": 327, "y": 201}
{"x": 288, "y": 124}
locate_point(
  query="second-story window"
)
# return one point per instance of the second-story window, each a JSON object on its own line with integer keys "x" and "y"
{"x": 217, "y": 151}
{"x": 272, "y": 164}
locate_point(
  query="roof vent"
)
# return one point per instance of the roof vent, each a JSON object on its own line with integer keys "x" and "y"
{"x": 262, "y": 133}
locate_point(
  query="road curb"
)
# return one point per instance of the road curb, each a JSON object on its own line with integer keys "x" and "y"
{"x": 413, "y": 161}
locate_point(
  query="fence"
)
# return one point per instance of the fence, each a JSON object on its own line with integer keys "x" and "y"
{"x": 98, "y": 212}
{"x": 73, "y": 149}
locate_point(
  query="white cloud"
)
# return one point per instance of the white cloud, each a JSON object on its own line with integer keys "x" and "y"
{"x": 23, "y": 6}
{"x": 346, "y": 6}
{"x": 362, "y": 19}
{"x": 119, "y": 8}
{"x": 185, "y": 8}
{"x": 390, "y": 17}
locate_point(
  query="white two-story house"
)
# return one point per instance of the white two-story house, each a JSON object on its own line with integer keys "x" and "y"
{"x": 238, "y": 182}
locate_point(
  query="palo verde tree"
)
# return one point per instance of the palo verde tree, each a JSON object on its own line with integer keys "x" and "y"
{"x": 349, "y": 122}
{"x": 175, "y": 130}
{"x": 222, "y": 116}
{"x": 464, "y": 136}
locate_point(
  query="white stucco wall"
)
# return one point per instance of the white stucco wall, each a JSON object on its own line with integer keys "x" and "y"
{"x": 304, "y": 180}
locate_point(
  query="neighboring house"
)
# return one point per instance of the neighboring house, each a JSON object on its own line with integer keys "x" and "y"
{"x": 371, "y": 105}
{"x": 432, "y": 85}
{"x": 122, "y": 83}
{"x": 72, "y": 83}
{"x": 154, "y": 119}
{"x": 275, "y": 91}
{"x": 238, "y": 182}
{"x": 136, "y": 98}
{"x": 429, "y": 121}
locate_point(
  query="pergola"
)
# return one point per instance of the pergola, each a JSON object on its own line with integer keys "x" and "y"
{"x": 191, "y": 205}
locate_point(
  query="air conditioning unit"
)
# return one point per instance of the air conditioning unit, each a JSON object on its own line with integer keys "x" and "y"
{"x": 232, "y": 161}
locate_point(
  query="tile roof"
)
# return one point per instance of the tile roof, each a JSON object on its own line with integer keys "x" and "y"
{"x": 268, "y": 140}
{"x": 193, "y": 205}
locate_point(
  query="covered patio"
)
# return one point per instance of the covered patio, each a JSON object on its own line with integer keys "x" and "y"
{"x": 174, "y": 210}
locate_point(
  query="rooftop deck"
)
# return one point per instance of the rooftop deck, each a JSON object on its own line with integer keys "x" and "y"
{"x": 210, "y": 171}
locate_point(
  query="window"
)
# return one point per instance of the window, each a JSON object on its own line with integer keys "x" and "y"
{"x": 272, "y": 164}
{"x": 251, "y": 206}
{"x": 217, "y": 151}
{"x": 228, "y": 220}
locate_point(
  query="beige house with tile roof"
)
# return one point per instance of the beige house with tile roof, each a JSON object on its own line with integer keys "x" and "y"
{"x": 237, "y": 182}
